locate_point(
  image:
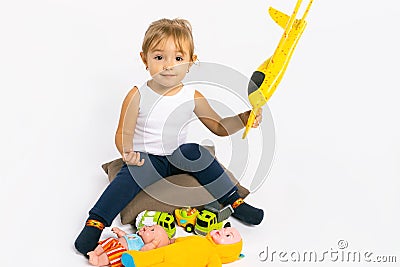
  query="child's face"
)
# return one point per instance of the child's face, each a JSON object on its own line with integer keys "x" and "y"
{"x": 166, "y": 64}
{"x": 228, "y": 235}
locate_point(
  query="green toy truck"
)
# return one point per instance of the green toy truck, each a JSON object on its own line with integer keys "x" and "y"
{"x": 212, "y": 218}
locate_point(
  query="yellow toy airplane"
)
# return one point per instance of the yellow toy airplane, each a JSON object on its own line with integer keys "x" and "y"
{"x": 268, "y": 75}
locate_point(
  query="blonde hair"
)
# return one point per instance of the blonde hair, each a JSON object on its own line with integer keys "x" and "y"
{"x": 159, "y": 31}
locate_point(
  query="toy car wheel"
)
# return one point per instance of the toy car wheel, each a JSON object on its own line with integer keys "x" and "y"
{"x": 189, "y": 228}
{"x": 228, "y": 224}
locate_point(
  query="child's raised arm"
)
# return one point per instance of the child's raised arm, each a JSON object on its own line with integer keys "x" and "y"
{"x": 216, "y": 124}
{"x": 127, "y": 122}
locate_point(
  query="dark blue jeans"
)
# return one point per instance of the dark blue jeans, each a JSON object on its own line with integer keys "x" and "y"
{"x": 188, "y": 158}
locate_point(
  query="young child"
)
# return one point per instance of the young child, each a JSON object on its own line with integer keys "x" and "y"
{"x": 151, "y": 133}
{"x": 109, "y": 251}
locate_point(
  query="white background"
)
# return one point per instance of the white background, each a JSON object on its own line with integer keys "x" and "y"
{"x": 67, "y": 65}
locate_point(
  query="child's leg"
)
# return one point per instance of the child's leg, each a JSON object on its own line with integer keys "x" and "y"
{"x": 198, "y": 161}
{"x": 114, "y": 198}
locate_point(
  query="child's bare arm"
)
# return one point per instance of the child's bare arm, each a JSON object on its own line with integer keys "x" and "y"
{"x": 216, "y": 124}
{"x": 126, "y": 127}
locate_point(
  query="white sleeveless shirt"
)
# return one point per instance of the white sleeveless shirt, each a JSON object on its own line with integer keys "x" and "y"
{"x": 162, "y": 121}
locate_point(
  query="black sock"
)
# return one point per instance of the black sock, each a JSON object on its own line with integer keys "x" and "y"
{"x": 89, "y": 237}
{"x": 245, "y": 212}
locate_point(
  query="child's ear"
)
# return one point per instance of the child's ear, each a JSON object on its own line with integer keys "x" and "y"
{"x": 143, "y": 57}
{"x": 194, "y": 58}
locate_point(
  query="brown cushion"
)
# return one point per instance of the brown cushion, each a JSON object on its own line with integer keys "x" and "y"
{"x": 143, "y": 201}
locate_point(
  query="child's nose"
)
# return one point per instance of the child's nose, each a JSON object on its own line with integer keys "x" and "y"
{"x": 168, "y": 67}
{"x": 169, "y": 64}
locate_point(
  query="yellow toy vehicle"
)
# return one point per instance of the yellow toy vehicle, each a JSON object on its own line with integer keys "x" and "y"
{"x": 186, "y": 218}
{"x": 212, "y": 217}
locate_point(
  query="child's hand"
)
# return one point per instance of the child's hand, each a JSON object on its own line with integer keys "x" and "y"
{"x": 133, "y": 158}
{"x": 258, "y": 119}
{"x": 245, "y": 116}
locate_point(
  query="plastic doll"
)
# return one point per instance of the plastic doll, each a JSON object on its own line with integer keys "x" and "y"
{"x": 109, "y": 251}
{"x": 218, "y": 247}
{"x": 151, "y": 133}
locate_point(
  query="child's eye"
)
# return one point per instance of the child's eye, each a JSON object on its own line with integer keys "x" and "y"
{"x": 179, "y": 58}
{"x": 228, "y": 235}
{"x": 158, "y": 57}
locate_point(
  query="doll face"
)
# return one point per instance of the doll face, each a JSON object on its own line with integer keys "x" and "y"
{"x": 151, "y": 233}
{"x": 228, "y": 235}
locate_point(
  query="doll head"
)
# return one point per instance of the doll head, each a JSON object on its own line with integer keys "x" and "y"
{"x": 154, "y": 233}
{"x": 228, "y": 243}
{"x": 228, "y": 235}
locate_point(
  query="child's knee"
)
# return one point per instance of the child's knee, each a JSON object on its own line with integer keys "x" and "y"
{"x": 192, "y": 151}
